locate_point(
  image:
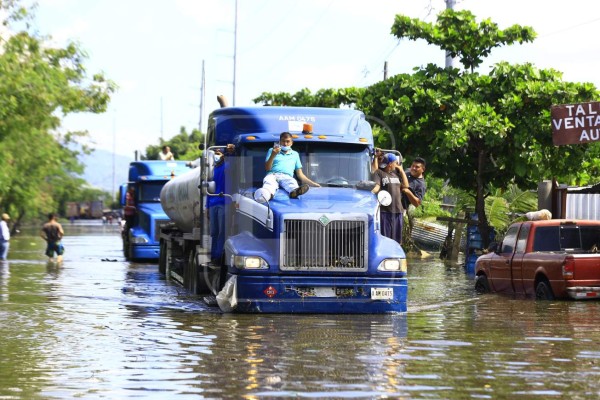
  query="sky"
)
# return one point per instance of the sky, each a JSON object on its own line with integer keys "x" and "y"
{"x": 154, "y": 51}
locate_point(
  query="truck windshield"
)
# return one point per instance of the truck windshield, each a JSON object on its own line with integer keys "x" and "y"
{"x": 329, "y": 164}
{"x": 149, "y": 192}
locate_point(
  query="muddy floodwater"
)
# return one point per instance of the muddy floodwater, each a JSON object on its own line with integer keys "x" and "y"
{"x": 102, "y": 328}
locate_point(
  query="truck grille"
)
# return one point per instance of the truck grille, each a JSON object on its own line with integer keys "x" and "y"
{"x": 338, "y": 245}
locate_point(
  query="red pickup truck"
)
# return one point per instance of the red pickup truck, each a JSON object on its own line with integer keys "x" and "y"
{"x": 544, "y": 259}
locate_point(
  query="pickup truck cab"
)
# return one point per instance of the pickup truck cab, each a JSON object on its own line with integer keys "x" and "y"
{"x": 544, "y": 259}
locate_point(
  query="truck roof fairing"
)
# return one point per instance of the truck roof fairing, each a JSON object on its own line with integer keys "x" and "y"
{"x": 156, "y": 170}
{"x": 232, "y": 122}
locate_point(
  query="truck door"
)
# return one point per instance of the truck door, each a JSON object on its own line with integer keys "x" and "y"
{"x": 500, "y": 270}
{"x": 517, "y": 261}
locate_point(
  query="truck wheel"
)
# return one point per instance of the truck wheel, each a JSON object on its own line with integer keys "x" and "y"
{"x": 207, "y": 279}
{"x": 162, "y": 257}
{"x": 543, "y": 291}
{"x": 482, "y": 284}
{"x": 126, "y": 247}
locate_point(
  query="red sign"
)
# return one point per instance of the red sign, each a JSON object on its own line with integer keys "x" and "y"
{"x": 270, "y": 292}
{"x": 575, "y": 123}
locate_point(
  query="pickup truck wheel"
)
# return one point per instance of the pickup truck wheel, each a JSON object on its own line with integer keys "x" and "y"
{"x": 481, "y": 284}
{"x": 543, "y": 291}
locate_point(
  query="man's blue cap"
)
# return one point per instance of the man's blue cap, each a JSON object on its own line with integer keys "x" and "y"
{"x": 390, "y": 158}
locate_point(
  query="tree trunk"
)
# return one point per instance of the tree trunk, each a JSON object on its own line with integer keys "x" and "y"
{"x": 484, "y": 228}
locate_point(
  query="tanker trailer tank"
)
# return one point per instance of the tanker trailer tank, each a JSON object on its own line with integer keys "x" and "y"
{"x": 180, "y": 199}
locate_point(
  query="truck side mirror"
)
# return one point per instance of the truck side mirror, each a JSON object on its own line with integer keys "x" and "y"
{"x": 384, "y": 197}
{"x": 493, "y": 247}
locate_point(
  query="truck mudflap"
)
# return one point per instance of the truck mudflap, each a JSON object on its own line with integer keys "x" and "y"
{"x": 290, "y": 294}
{"x": 583, "y": 292}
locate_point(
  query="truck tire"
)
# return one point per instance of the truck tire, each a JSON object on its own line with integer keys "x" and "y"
{"x": 162, "y": 258}
{"x": 482, "y": 285}
{"x": 126, "y": 247}
{"x": 206, "y": 279}
{"x": 543, "y": 291}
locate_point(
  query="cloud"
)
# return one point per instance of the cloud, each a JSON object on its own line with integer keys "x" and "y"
{"x": 73, "y": 32}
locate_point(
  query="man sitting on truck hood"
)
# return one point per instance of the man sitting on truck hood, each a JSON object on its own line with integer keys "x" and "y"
{"x": 281, "y": 163}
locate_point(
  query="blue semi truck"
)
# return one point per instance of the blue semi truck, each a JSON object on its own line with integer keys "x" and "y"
{"x": 147, "y": 178}
{"x": 320, "y": 253}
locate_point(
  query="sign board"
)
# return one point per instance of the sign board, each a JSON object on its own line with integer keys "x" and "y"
{"x": 575, "y": 123}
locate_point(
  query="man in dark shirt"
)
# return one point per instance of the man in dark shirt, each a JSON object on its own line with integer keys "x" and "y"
{"x": 391, "y": 177}
{"x": 416, "y": 184}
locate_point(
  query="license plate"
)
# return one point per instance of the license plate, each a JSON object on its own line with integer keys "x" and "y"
{"x": 382, "y": 293}
{"x": 325, "y": 291}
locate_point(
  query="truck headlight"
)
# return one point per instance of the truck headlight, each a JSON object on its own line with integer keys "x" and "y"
{"x": 393, "y": 264}
{"x": 244, "y": 262}
{"x": 139, "y": 239}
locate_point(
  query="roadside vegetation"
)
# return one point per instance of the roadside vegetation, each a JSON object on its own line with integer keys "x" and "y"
{"x": 486, "y": 135}
{"x": 39, "y": 85}
{"x": 482, "y": 133}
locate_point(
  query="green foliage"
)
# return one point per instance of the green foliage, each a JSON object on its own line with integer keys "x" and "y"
{"x": 506, "y": 206}
{"x": 39, "y": 84}
{"x": 478, "y": 132}
{"x": 457, "y": 33}
{"x": 184, "y": 146}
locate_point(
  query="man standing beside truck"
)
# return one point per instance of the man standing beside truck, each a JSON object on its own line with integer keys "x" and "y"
{"x": 129, "y": 209}
{"x": 417, "y": 187}
{"x": 393, "y": 180}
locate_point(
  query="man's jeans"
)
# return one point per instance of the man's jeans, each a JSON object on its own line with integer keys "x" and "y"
{"x": 4, "y": 244}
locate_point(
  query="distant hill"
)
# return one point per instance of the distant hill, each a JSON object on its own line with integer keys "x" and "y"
{"x": 99, "y": 169}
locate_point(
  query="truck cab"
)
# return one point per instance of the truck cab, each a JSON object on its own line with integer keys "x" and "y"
{"x": 147, "y": 178}
{"x": 321, "y": 252}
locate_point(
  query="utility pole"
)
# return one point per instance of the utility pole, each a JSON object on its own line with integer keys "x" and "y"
{"x": 114, "y": 132}
{"x": 235, "y": 50}
{"x": 161, "y": 118}
{"x": 201, "y": 99}
{"x": 449, "y": 60}
{"x": 385, "y": 70}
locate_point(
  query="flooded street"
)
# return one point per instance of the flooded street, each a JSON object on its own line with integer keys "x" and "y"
{"x": 101, "y": 327}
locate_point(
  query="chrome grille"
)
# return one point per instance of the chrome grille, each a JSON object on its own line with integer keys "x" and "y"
{"x": 314, "y": 245}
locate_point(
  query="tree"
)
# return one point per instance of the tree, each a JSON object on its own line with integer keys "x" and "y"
{"x": 39, "y": 84}
{"x": 183, "y": 145}
{"x": 480, "y": 132}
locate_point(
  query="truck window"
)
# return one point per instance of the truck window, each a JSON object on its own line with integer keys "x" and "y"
{"x": 546, "y": 238}
{"x": 149, "y": 192}
{"x": 335, "y": 163}
{"x": 590, "y": 237}
{"x": 508, "y": 244}
{"x": 522, "y": 240}
{"x": 569, "y": 237}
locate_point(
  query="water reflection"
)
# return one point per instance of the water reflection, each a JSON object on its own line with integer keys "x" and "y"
{"x": 98, "y": 328}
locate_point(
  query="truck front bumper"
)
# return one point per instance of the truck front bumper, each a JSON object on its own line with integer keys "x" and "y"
{"x": 139, "y": 252}
{"x": 583, "y": 292}
{"x": 339, "y": 295}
